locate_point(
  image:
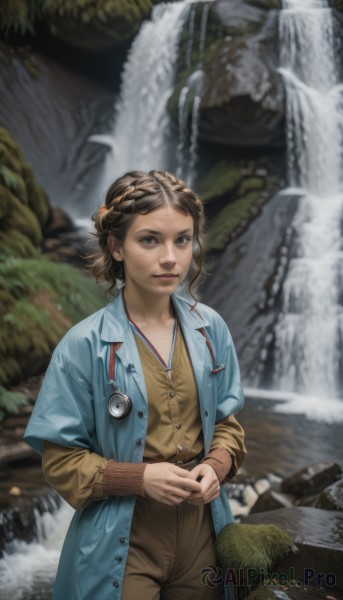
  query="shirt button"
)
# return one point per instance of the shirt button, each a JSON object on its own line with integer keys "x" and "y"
{"x": 172, "y": 393}
{"x": 122, "y": 540}
{"x": 206, "y": 413}
{"x": 115, "y": 584}
{"x": 119, "y": 558}
{"x": 138, "y": 442}
{"x": 140, "y": 413}
{"x": 180, "y": 448}
{"x": 178, "y": 425}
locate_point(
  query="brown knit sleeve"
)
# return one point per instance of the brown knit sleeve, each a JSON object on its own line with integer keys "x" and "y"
{"x": 221, "y": 461}
{"x": 123, "y": 479}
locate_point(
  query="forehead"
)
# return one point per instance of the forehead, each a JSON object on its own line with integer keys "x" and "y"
{"x": 164, "y": 219}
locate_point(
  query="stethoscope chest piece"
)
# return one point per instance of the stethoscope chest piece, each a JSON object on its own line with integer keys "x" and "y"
{"x": 119, "y": 405}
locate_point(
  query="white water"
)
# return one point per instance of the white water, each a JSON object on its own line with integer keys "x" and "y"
{"x": 190, "y": 96}
{"x": 28, "y": 570}
{"x": 142, "y": 128}
{"x": 309, "y": 332}
{"x": 142, "y": 136}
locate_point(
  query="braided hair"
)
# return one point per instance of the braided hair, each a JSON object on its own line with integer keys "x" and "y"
{"x": 138, "y": 192}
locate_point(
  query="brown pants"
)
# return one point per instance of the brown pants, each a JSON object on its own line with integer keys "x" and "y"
{"x": 169, "y": 547}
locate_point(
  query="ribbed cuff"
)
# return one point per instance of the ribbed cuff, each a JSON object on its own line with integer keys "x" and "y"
{"x": 221, "y": 461}
{"x": 123, "y": 479}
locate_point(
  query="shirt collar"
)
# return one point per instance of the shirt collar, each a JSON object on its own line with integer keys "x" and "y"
{"x": 115, "y": 326}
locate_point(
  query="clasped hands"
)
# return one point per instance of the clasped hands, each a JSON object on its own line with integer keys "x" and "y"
{"x": 172, "y": 485}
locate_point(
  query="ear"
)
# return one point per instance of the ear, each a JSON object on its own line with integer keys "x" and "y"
{"x": 115, "y": 248}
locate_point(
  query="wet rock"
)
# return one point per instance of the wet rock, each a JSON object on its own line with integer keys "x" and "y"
{"x": 332, "y": 497}
{"x": 311, "y": 479}
{"x": 262, "y": 485}
{"x": 318, "y": 535}
{"x": 272, "y": 500}
{"x": 19, "y": 521}
{"x": 243, "y": 100}
{"x": 291, "y": 592}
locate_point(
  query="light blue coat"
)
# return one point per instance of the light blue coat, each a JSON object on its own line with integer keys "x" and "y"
{"x": 72, "y": 410}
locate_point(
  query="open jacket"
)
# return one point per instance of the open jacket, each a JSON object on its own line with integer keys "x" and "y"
{"x": 72, "y": 410}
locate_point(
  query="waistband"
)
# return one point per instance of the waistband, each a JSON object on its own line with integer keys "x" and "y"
{"x": 191, "y": 463}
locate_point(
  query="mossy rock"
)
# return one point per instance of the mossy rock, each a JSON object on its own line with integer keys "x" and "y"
{"x": 40, "y": 300}
{"x": 241, "y": 546}
{"x": 219, "y": 180}
{"x": 24, "y": 204}
{"x": 228, "y": 219}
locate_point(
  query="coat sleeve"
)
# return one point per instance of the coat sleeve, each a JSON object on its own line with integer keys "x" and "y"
{"x": 230, "y": 398}
{"x": 63, "y": 412}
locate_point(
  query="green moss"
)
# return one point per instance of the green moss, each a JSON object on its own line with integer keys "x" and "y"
{"x": 228, "y": 219}
{"x": 245, "y": 546}
{"x": 14, "y": 243}
{"x": 250, "y": 184}
{"x": 218, "y": 181}
{"x": 24, "y": 220}
{"x": 11, "y": 402}
{"x": 40, "y": 300}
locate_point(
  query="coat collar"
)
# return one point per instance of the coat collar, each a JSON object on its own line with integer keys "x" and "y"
{"x": 116, "y": 328}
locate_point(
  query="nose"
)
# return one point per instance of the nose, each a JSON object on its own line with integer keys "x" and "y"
{"x": 167, "y": 255}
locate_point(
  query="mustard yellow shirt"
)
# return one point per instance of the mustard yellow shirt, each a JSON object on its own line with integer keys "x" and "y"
{"x": 174, "y": 431}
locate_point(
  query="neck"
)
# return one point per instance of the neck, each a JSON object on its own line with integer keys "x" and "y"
{"x": 147, "y": 308}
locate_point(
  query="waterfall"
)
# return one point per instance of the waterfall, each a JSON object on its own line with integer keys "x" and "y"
{"x": 309, "y": 332}
{"x": 27, "y": 571}
{"x": 190, "y": 95}
{"x": 142, "y": 131}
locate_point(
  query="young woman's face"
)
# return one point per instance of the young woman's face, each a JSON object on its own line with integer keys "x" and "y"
{"x": 157, "y": 250}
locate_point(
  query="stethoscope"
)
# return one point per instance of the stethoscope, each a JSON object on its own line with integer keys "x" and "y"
{"x": 120, "y": 404}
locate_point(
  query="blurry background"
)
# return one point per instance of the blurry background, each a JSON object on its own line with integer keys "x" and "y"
{"x": 244, "y": 100}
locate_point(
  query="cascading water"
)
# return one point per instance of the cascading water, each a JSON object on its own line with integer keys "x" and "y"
{"x": 142, "y": 126}
{"x": 309, "y": 333}
{"x": 27, "y": 571}
{"x": 187, "y": 148}
{"x": 142, "y": 136}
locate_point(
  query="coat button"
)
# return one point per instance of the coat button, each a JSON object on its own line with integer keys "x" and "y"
{"x": 206, "y": 413}
{"x": 115, "y": 584}
{"x": 172, "y": 393}
{"x": 140, "y": 413}
{"x": 119, "y": 558}
{"x": 122, "y": 540}
{"x": 138, "y": 442}
{"x": 180, "y": 448}
{"x": 178, "y": 425}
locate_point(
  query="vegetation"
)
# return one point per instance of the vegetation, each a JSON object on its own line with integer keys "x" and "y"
{"x": 39, "y": 299}
{"x": 10, "y": 402}
{"x": 246, "y": 546}
{"x": 114, "y": 21}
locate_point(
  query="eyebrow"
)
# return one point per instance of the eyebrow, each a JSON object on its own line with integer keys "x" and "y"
{"x": 153, "y": 232}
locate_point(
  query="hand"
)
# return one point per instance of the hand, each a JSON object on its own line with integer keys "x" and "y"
{"x": 168, "y": 483}
{"x": 209, "y": 484}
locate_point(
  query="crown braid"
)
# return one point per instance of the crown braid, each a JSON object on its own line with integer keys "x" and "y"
{"x": 138, "y": 192}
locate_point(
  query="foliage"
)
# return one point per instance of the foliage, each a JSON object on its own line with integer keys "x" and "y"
{"x": 228, "y": 219}
{"x": 246, "y": 546}
{"x": 21, "y": 16}
{"x": 11, "y": 402}
{"x": 39, "y": 301}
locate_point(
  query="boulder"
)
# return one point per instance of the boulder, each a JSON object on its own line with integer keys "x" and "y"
{"x": 242, "y": 97}
{"x": 318, "y": 535}
{"x": 312, "y": 479}
{"x": 271, "y": 500}
{"x": 332, "y": 497}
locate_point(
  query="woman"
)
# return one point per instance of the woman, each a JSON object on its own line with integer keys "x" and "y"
{"x": 135, "y": 418}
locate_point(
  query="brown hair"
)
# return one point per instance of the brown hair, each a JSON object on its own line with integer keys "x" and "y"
{"x": 138, "y": 192}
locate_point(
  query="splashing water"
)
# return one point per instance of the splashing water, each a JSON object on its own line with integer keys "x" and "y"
{"x": 309, "y": 333}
